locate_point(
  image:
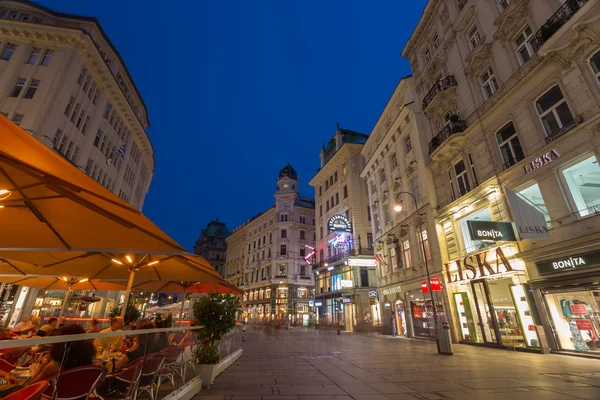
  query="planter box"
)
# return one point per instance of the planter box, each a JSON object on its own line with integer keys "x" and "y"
{"x": 208, "y": 372}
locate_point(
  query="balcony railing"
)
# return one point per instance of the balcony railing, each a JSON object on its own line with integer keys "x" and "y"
{"x": 560, "y": 17}
{"x": 445, "y": 133}
{"x": 439, "y": 86}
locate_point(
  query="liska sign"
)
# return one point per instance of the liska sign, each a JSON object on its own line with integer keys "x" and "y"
{"x": 542, "y": 160}
{"x": 478, "y": 266}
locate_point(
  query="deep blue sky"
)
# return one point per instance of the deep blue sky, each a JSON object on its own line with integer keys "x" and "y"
{"x": 236, "y": 89}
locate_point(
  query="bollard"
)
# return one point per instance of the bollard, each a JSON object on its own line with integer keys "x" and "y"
{"x": 444, "y": 340}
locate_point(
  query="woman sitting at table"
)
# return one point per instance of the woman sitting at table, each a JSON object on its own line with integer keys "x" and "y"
{"x": 80, "y": 353}
{"x": 141, "y": 344}
{"x": 48, "y": 327}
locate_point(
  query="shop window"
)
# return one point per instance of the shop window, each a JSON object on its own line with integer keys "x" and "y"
{"x": 533, "y": 196}
{"x": 474, "y": 245}
{"x": 583, "y": 184}
{"x": 595, "y": 63}
{"x": 554, "y": 112}
{"x": 407, "y": 256}
{"x": 510, "y": 147}
{"x": 526, "y": 45}
{"x": 407, "y": 145}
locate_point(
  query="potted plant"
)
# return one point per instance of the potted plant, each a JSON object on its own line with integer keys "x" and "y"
{"x": 217, "y": 313}
{"x": 132, "y": 314}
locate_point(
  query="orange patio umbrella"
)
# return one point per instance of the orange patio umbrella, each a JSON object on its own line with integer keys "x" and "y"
{"x": 48, "y": 204}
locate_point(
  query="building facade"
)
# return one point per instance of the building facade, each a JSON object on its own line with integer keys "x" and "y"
{"x": 269, "y": 256}
{"x": 63, "y": 81}
{"x": 212, "y": 244}
{"x": 402, "y": 201}
{"x": 345, "y": 273}
{"x": 512, "y": 99}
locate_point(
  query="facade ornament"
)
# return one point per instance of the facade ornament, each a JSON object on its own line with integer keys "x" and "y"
{"x": 559, "y": 60}
{"x": 511, "y": 19}
{"x": 479, "y": 57}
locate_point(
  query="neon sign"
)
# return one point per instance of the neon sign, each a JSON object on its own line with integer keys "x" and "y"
{"x": 339, "y": 223}
{"x": 340, "y": 240}
{"x": 311, "y": 253}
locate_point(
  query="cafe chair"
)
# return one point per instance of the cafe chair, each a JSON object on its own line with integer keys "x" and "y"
{"x": 130, "y": 377}
{"x": 170, "y": 367}
{"x": 31, "y": 392}
{"x": 15, "y": 354}
{"x": 152, "y": 365}
{"x": 76, "y": 383}
{"x": 6, "y": 366}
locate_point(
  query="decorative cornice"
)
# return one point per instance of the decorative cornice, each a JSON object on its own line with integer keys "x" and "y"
{"x": 479, "y": 57}
{"x": 466, "y": 20}
{"x": 511, "y": 19}
{"x": 418, "y": 34}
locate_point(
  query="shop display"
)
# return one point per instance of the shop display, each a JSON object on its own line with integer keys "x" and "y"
{"x": 465, "y": 317}
{"x": 524, "y": 313}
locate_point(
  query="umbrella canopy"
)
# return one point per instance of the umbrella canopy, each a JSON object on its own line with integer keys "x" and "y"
{"x": 62, "y": 283}
{"x": 12, "y": 268}
{"x": 47, "y": 203}
{"x": 192, "y": 287}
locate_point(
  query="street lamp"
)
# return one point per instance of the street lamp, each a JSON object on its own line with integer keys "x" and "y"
{"x": 398, "y": 208}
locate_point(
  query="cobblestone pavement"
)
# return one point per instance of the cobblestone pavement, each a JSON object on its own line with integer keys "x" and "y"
{"x": 306, "y": 364}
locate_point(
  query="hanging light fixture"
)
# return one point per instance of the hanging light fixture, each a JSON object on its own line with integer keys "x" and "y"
{"x": 129, "y": 259}
{"x": 116, "y": 261}
{"x": 4, "y": 194}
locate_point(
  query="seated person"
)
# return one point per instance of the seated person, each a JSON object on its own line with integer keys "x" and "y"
{"x": 161, "y": 338}
{"x": 10, "y": 386}
{"x": 48, "y": 327}
{"x": 142, "y": 344}
{"x": 116, "y": 325}
{"x": 81, "y": 353}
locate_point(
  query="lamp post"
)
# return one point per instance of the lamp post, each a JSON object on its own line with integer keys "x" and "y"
{"x": 398, "y": 208}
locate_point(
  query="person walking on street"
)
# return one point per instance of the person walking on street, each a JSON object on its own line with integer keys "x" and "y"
{"x": 393, "y": 325}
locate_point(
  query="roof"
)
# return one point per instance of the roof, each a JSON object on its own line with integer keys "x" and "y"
{"x": 215, "y": 229}
{"x": 289, "y": 172}
{"x": 305, "y": 202}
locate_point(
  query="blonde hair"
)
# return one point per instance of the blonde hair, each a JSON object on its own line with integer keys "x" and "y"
{"x": 36, "y": 320}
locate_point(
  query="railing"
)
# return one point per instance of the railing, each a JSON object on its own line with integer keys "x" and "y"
{"x": 445, "y": 133}
{"x": 439, "y": 86}
{"x": 577, "y": 120}
{"x": 558, "y": 19}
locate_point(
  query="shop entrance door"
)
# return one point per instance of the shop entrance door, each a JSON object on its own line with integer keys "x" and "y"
{"x": 485, "y": 313}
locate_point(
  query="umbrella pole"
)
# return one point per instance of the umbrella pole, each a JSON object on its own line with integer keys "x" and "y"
{"x": 182, "y": 305}
{"x": 127, "y": 294}
{"x": 65, "y": 306}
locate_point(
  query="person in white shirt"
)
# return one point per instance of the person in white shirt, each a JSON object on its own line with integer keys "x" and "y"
{"x": 116, "y": 325}
{"x": 23, "y": 325}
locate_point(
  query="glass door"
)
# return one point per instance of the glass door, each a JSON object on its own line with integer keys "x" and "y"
{"x": 484, "y": 313}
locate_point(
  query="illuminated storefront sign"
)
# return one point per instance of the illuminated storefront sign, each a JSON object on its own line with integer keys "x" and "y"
{"x": 571, "y": 263}
{"x": 346, "y": 283}
{"x": 339, "y": 223}
{"x": 489, "y": 231}
{"x": 361, "y": 262}
{"x": 392, "y": 290}
{"x": 539, "y": 162}
{"x": 341, "y": 239}
{"x": 373, "y": 293}
{"x": 490, "y": 262}
{"x": 311, "y": 253}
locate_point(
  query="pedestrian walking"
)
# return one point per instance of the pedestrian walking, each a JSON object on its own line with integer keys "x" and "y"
{"x": 393, "y": 325}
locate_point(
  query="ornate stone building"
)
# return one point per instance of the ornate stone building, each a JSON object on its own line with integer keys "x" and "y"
{"x": 269, "y": 256}
{"x": 212, "y": 244}
{"x": 512, "y": 98}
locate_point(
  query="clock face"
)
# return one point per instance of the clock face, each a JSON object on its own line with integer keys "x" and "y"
{"x": 285, "y": 185}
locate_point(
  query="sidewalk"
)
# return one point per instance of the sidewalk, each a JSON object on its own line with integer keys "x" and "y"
{"x": 320, "y": 365}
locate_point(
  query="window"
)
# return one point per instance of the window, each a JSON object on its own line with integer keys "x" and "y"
{"x": 326, "y": 185}
{"x": 394, "y": 259}
{"x": 69, "y": 149}
{"x": 63, "y": 143}
{"x": 69, "y": 106}
{"x": 17, "y": 119}
{"x": 427, "y": 54}
{"x": 302, "y": 235}
{"x": 335, "y": 176}
{"x": 345, "y": 191}
{"x": 407, "y": 145}
{"x": 554, "y": 112}
{"x": 320, "y": 190}
{"x": 284, "y": 217}
{"x": 473, "y": 172}
{"x": 345, "y": 170}
{"x": 526, "y": 45}
{"x": 283, "y": 250}
{"x": 85, "y": 125}
{"x": 337, "y": 199}
{"x": 435, "y": 41}
{"x": 47, "y": 57}
{"x": 86, "y": 84}
{"x": 406, "y": 253}
{"x": 57, "y": 136}
{"x": 509, "y": 144}
{"x": 283, "y": 233}
{"x": 583, "y": 183}
{"x": 452, "y": 192}
{"x": 369, "y": 213}
{"x": 96, "y": 95}
{"x": 326, "y": 205}
{"x": 425, "y": 250}
{"x": 462, "y": 180}
{"x": 320, "y": 210}
{"x": 364, "y": 277}
{"x": 502, "y": 4}
{"x": 489, "y": 85}
{"x": 80, "y": 118}
{"x": 473, "y": 37}
{"x": 107, "y": 110}
{"x": 33, "y": 85}
{"x": 303, "y": 271}
{"x": 474, "y": 245}
{"x": 461, "y": 4}
{"x": 17, "y": 88}
{"x": 386, "y": 214}
{"x": 7, "y": 51}
{"x": 382, "y": 176}
{"x": 331, "y": 180}
{"x": 394, "y": 161}
{"x": 414, "y": 184}
{"x": 82, "y": 75}
{"x": 282, "y": 269}
{"x": 533, "y": 196}
{"x": 98, "y": 137}
{"x": 33, "y": 56}
{"x": 369, "y": 240}
{"x": 595, "y": 63}
{"x": 88, "y": 166}
{"x": 320, "y": 232}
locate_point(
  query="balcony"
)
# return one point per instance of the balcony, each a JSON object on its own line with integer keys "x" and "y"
{"x": 556, "y": 21}
{"x": 442, "y": 89}
{"x": 447, "y": 131}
